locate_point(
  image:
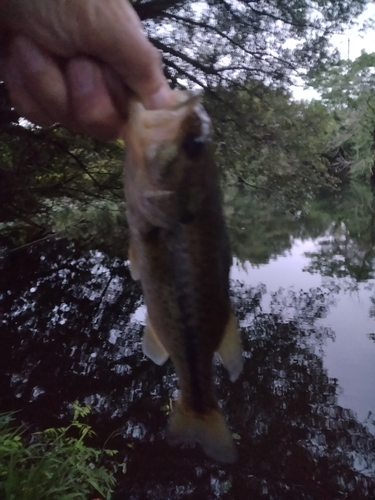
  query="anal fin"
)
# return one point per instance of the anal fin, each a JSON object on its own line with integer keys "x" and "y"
{"x": 152, "y": 347}
{"x": 230, "y": 349}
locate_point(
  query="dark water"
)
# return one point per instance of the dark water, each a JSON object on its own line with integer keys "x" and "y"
{"x": 301, "y": 411}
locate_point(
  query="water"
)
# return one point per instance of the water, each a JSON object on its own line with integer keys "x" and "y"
{"x": 71, "y": 330}
{"x": 350, "y": 355}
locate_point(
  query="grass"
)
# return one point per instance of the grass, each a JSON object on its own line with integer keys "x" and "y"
{"x": 52, "y": 465}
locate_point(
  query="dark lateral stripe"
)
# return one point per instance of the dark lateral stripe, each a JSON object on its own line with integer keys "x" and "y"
{"x": 186, "y": 298}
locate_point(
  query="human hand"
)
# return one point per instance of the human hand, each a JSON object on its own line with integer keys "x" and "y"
{"x": 78, "y": 62}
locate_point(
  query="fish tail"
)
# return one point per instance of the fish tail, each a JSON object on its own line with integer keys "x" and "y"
{"x": 209, "y": 430}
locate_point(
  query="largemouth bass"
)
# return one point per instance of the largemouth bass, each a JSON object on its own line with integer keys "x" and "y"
{"x": 179, "y": 250}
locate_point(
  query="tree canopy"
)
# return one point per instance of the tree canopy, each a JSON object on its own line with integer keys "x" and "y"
{"x": 47, "y": 175}
{"x": 243, "y": 54}
{"x": 212, "y": 41}
{"x": 347, "y": 90}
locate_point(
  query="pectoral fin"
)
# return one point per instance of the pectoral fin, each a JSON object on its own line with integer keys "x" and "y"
{"x": 133, "y": 268}
{"x": 152, "y": 347}
{"x": 230, "y": 350}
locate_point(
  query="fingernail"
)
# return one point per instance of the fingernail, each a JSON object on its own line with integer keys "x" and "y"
{"x": 83, "y": 77}
{"x": 31, "y": 55}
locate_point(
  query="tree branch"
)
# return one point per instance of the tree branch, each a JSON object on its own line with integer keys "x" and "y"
{"x": 177, "y": 53}
{"x": 170, "y": 63}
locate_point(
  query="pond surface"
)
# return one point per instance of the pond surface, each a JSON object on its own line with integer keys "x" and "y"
{"x": 302, "y": 411}
{"x": 349, "y": 352}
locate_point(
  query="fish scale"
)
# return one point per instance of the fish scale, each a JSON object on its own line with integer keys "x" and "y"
{"x": 179, "y": 250}
{"x": 186, "y": 302}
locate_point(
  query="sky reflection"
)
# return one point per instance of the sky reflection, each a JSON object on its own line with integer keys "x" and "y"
{"x": 350, "y": 357}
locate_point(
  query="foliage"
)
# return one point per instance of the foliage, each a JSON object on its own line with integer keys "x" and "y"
{"x": 262, "y": 139}
{"x": 48, "y": 176}
{"x": 347, "y": 83}
{"x": 342, "y": 223}
{"x": 242, "y": 53}
{"x": 270, "y": 142}
{"x": 347, "y": 249}
{"x": 217, "y": 41}
{"x": 272, "y": 229}
{"x": 348, "y": 91}
{"x": 53, "y": 464}
{"x": 97, "y": 224}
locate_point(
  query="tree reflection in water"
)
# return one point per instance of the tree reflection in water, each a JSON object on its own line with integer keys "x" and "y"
{"x": 67, "y": 333}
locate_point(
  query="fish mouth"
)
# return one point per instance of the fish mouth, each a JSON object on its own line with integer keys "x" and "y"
{"x": 157, "y": 193}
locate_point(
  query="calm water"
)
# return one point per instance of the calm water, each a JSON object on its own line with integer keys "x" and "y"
{"x": 349, "y": 353}
{"x": 71, "y": 329}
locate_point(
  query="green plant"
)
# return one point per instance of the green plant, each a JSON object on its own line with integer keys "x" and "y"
{"x": 52, "y": 465}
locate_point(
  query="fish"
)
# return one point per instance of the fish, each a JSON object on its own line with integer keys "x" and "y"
{"x": 179, "y": 250}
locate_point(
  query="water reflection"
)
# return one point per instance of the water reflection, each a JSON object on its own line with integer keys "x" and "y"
{"x": 343, "y": 228}
{"x": 66, "y": 334}
{"x": 63, "y": 311}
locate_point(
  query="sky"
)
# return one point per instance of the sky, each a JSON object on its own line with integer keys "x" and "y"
{"x": 358, "y": 41}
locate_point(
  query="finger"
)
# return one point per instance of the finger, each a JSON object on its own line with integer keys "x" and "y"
{"x": 119, "y": 40}
{"x": 41, "y": 77}
{"x": 110, "y": 31}
{"x": 91, "y": 106}
{"x": 121, "y": 95}
{"x": 21, "y": 98}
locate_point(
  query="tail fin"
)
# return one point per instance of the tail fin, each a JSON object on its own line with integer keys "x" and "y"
{"x": 209, "y": 430}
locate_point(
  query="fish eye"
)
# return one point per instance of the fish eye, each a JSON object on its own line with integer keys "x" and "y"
{"x": 193, "y": 145}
